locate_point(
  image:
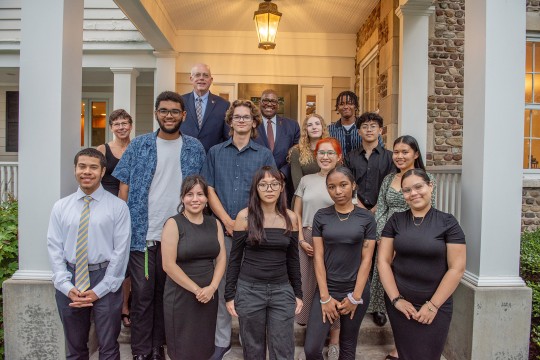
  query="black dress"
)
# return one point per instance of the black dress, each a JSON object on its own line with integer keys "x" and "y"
{"x": 109, "y": 182}
{"x": 419, "y": 265}
{"x": 189, "y": 324}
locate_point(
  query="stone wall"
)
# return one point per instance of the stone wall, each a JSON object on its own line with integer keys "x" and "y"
{"x": 445, "y": 100}
{"x": 530, "y": 206}
{"x": 533, "y": 5}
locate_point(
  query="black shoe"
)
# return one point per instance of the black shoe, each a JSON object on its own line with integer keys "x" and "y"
{"x": 140, "y": 357}
{"x": 379, "y": 318}
{"x": 158, "y": 353}
{"x": 220, "y": 352}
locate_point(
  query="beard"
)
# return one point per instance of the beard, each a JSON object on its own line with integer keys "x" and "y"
{"x": 173, "y": 130}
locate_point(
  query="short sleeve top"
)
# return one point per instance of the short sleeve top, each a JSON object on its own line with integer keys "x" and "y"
{"x": 343, "y": 241}
{"x": 420, "y": 250}
{"x": 312, "y": 191}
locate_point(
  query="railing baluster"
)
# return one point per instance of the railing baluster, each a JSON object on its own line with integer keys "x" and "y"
{"x": 9, "y": 178}
{"x": 448, "y": 179}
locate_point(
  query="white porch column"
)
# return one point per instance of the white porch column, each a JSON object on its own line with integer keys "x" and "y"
{"x": 165, "y": 74}
{"x": 413, "y": 69}
{"x": 492, "y": 312}
{"x": 49, "y": 133}
{"x": 125, "y": 92}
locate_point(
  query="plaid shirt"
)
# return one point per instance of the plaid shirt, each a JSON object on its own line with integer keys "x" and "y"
{"x": 230, "y": 171}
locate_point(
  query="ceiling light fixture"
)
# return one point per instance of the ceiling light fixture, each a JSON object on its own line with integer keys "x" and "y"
{"x": 266, "y": 22}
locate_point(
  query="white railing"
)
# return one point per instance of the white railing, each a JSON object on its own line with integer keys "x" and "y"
{"x": 9, "y": 179}
{"x": 448, "y": 179}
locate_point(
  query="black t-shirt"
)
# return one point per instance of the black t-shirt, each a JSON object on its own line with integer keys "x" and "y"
{"x": 343, "y": 242}
{"x": 420, "y": 251}
{"x": 274, "y": 261}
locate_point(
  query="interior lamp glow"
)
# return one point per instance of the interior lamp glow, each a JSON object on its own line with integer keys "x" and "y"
{"x": 266, "y": 22}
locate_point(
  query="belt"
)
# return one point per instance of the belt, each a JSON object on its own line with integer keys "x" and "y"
{"x": 92, "y": 267}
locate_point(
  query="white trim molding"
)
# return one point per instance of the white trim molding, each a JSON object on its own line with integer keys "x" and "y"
{"x": 493, "y": 281}
{"x": 32, "y": 275}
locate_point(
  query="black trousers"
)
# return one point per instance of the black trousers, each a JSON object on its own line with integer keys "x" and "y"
{"x": 317, "y": 331}
{"x": 147, "y": 323}
{"x": 76, "y": 322}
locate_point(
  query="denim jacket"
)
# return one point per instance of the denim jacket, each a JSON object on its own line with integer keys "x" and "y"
{"x": 136, "y": 168}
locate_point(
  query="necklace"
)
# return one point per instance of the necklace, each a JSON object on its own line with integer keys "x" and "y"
{"x": 343, "y": 219}
{"x": 414, "y": 221}
{"x": 192, "y": 221}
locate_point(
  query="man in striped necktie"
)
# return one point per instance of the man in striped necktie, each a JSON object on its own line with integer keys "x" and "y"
{"x": 88, "y": 242}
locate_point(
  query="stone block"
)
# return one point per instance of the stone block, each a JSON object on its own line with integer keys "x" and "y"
{"x": 489, "y": 323}
{"x": 32, "y": 327}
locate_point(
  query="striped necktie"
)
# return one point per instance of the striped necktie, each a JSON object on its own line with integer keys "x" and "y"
{"x": 198, "y": 107}
{"x": 82, "y": 277}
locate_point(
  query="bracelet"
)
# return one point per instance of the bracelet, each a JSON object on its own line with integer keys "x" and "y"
{"x": 396, "y": 299}
{"x": 327, "y": 301}
{"x": 429, "y": 307}
{"x": 436, "y": 307}
{"x": 301, "y": 241}
{"x": 353, "y": 300}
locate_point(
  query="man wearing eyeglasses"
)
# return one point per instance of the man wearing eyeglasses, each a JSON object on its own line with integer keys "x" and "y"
{"x": 229, "y": 170}
{"x": 205, "y": 118}
{"x": 150, "y": 173}
{"x": 278, "y": 134}
{"x": 371, "y": 162}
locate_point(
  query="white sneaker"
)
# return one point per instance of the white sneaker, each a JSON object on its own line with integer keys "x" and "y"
{"x": 333, "y": 352}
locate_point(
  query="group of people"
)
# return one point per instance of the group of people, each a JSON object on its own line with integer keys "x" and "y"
{"x": 232, "y": 210}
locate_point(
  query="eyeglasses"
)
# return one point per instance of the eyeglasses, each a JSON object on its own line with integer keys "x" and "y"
{"x": 416, "y": 187}
{"x": 326, "y": 152}
{"x": 201, "y": 75}
{"x": 173, "y": 112}
{"x": 275, "y": 186}
{"x": 238, "y": 118}
{"x": 266, "y": 101}
{"x": 121, "y": 125}
{"x": 369, "y": 127}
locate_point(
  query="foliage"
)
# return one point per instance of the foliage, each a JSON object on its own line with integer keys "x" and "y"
{"x": 9, "y": 253}
{"x": 530, "y": 272}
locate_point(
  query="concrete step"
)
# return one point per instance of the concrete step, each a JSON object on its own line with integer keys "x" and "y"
{"x": 363, "y": 352}
{"x": 370, "y": 334}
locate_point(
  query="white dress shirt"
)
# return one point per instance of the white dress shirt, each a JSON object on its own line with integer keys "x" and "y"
{"x": 109, "y": 233}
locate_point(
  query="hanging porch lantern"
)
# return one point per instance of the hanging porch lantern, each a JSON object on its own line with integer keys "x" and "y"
{"x": 266, "y": 22}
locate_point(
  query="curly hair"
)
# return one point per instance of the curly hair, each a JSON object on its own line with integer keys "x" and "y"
{"x": 255, "y": 115}
{"x": 304, "y": 145}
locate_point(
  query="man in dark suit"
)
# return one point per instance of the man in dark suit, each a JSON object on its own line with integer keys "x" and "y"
{"x": 278, "y": 134}
{"x": 205, "y": 118}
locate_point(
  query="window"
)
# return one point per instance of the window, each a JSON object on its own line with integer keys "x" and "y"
{"x": 369, "y": 87}
{"x": 12, "y": 121}
{"x": 94, "y": 131}
{"x": 531, "y": 143}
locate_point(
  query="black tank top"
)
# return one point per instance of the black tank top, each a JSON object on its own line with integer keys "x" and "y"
{"x": 109, "y": 182}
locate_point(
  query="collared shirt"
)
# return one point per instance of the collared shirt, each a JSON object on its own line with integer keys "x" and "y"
{"x": 369, "y": 173}
{"x": 230, "y": 171}
{"x": 136, "y": 168}
{"x": 204, "y": 99}
{"x": 108, "y": 238}
{"x": 348, "y": 139}
{"x": 273, "y": 121}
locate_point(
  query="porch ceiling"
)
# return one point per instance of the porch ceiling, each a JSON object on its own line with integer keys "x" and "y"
{"x": 312, "y": 16}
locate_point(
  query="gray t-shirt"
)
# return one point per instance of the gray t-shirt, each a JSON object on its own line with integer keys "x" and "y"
{"x": 164, "y": 195}
{"x": 314, "y": 196}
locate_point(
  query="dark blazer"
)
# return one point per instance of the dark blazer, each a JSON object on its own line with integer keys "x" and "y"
{"x": 287, "y": 135}
{"x": 214, "y": 130}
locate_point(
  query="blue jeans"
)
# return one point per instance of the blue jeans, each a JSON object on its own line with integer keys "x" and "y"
{"x": 266, "y": 311}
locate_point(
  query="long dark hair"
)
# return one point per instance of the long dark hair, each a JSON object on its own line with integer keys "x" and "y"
{"x": 345, "y": 171}
{"x": 255, "y": 213}
{"x": 189, "y": 183}
{"x": 411, "y": 141}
